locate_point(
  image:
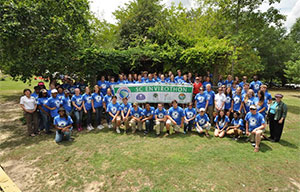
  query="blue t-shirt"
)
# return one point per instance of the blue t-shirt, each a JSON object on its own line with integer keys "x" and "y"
{"x": 254, "y": 121}
{"x": 259, "y": 107}
{"x": 238, "y": 121}
{"x": 87, "y": 98}
{"x": 136, "y": 113}
{"x": 241, "y": 84}
{"x": 205, "y": 83}
{"x": 255, "y": 85}
{"x": 41, "y": 101}
{"x": 125, "y": 108}
{"x": 223, "y": 122}
{"x": 62, "y": 122}
{"x": 170, "y": 81}
{"x": 72, "y": 89}
{"x": 177, "y": 78}
{"x": 36, "y": 96}
{"x": 150, "y": 81}
{"x": 249, "y": 102}
{"x": 66, "y": 103}
{"x": 107, "y": 99}
{"x": 228, "y": 102}
{"x": 97, "y": 99}
{"x": 268, "y": 96}
{"x": 189, "y": 113}
{"x": 237, "y": 101}
{"x": 228, "y": 83}
{"x": 53, "y": 102}
{"x": 176, "y": 114}
{"x": 210, "y": 96}
{"x": 149, "y": 112}
{"x": 202, "y": 120}
{"x": 60, "y": 96}
{"x": 139, "y": 82}
{"x": 77, "y": 100}
{"x": 113, "y": 108}
{"x": 200, "y": 100}
{"x": 220, "y": 83}
{"x": 160, "y": 114}
{"x": 104, "y": 86}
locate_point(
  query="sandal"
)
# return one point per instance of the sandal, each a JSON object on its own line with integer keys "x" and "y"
{"x": 256, "y": 149}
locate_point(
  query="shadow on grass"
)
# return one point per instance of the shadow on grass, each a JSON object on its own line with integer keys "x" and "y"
{"x": 294, "y": 109}
{"x": 288, "y": 144}
{"x": 9, "y": 98}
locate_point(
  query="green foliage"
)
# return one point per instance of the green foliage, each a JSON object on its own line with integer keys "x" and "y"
{"x": 292, "y": 71}
{"x": 41, "y": 37}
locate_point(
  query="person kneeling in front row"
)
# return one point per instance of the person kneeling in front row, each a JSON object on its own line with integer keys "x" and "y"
{"x": 160, "y": 119}
{"x": 255, "y": 126}
{"x": 202, "y": 122}
{"x": 237, "y": 127}
{"x": 175, "y": 118}
{"x": 63, "y": 125}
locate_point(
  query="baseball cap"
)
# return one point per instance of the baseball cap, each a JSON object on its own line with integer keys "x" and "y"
{"x": 54, "y": 91}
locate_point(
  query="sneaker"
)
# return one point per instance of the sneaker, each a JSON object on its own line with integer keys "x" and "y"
{"x": 253, "y": 144}
{"x": 110, "y": 126}
{"x": 91, "y": 126}
{"x": 100, "y": 127}
{"x": 118, "y": 130}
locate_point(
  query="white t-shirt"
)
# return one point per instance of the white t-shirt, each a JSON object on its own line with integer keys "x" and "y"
{"x": 220, "y": 98}
{"x": 28, "y": 103}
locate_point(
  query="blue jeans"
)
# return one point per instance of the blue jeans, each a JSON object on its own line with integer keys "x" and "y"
{"x": 149, "y": 125}
{"x": 99, "y": 115}
{"x": 78, "y": 116}
{"x": 188, "y": 126}
{"x": 59, "y": 136}
{"x": 44, "y": 121}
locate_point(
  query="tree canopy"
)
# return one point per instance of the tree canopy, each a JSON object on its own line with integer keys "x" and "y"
{"x": 220, "y": 36}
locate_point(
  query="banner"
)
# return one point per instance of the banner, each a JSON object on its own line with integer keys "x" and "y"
{"x": 154, "y": 92}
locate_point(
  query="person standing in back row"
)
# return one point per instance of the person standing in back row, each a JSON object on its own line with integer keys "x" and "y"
{"x": 29, "y": 105}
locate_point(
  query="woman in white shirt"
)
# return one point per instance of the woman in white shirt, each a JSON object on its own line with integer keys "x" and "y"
{"x": 220, "y": 99}
{"x": 29, "y": 105}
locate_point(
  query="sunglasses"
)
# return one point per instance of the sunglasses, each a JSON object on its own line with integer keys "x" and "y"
{"x": 252, "y": 109}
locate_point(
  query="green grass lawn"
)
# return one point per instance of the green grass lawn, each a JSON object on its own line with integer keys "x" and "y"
{"x": 106, "y": 161}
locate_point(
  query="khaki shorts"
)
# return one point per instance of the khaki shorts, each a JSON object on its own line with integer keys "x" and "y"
{"x": 204, "y": 127}
{"x": 159, "y": 126}
{"x": 252, "y": 136}
{"x": 231, "y": 132}
{"x": 174, "y": 126}
{"x": 115, "y": 122}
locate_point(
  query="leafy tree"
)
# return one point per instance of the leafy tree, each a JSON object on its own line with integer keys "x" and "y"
{"x": 42, "y": 37}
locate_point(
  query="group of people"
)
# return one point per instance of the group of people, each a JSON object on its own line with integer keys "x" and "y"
{"x": 237, "y": 109}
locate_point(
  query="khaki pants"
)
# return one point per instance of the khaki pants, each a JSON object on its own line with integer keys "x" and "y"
{"x": 31, "y": 121}
{"x": 172, "y": 125}
{"x": 201, "y": 129}
{"x": 159, "y": 126}
{"x": 133, "y": 124}
{"x": 210, "y": 112}
{"x": 126, "y": 123}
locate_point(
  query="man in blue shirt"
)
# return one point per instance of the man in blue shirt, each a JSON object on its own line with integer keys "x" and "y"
{"x": 160, "y": 118}
{"x": 255, "y": 84}
{"x": 125, "y": 112}
{"x": 148, "y": 118}
{"x": 175, "y": 118}
{"x": 210, "y": 96}
{"x": 136, "y": 117}
{"x": 53, "y": 104}
{"x": 103, "y": 84}
{"x": 241, "y": 84}
{"x": 178, "y": 78}
{"x": 255, "y": 126}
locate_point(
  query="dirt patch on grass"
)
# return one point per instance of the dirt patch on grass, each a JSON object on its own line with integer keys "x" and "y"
{"x": 23, "y": 174}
